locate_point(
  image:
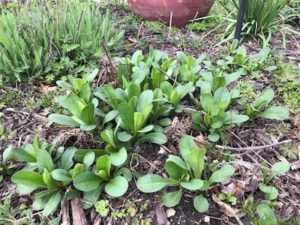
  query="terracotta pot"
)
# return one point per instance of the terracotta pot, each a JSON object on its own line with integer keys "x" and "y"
{"x": 181, "y": 11}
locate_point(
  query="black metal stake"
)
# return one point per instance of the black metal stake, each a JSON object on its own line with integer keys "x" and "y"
{"x": 239, "y": 24}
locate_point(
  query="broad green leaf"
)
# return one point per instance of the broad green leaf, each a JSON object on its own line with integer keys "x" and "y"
{"x": 207, "y": 103}
{"x": 7, "y": 153}
{"x": 145, "y": 99}
{"x": 124, "y": 172}
{"x": 88, "y": 114}
{"x": 138, "y": 121}
{"x": 110, "y": 116}
{"x": 25, "y": 190}
{"x": 222, "y": 174}
{"x": 44, "y": 160}
{"x": 196, "y": 161}
{"x": 108, "y": 136}
{"x": 232, "y": 117}
{"x": 176, "y": 167}
{"x": 118, "y": 158}
{"x": 266, "y": 215}
{"x": 193, "y": 185}
{"x": 214, "y": 137}
{"x": 91, "y": 76}
{"x": 80, "y": 153}
{"x": 91, "y": 197}
{"x": 28, "y": 178}
{"x": 186, "y": 144}
{"x": 104, "y": 163}
{"x": 133, "y": 90}
{"x": 201, "y": 204}
{"x": 85, "y": 92}
{"x": 124, "y": 136}
{"x": 67, "y": 158}
{"x": 126, "y": 113}
{"x": 49, "y": 181}
{"x": 63, "y": 120}
{"x": 280, "y": 168}
{"x": 222, "y": 97}
{"x": 86, "y": 181}
{"x": 73, "y": 103}
{"x": 270, "y": 191}
{"x": 22, "y": 155}
{"x": 146, "y": 129}
{"x": 172, "y": 199}
{"x": 264, "y": 99}
{"x": 64, "y": 85}
{"x": 275, "y": 113}
{"x": 156, "y": 138}
{"x": 78, "y": 168}
{"x": 88, "y": 159}
{"x": 87, "y": 127}
{"x": 61, "y": 175}
{"x": 117, "y": 186}
{"x": 52, "y": 204}
{"x": 151, "y": 183}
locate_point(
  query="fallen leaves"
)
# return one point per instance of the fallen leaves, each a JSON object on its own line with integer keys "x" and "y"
{"x": 227, "y": 209}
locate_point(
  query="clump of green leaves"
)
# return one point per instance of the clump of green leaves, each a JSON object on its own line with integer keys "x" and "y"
{"x": 55, "y": 174}
{"x": 102, "y": 176}
{"x": 79, "y": 102}
{"x": 205, "y": 23}
{"x": 102, "y": 208}
{"x": 278, "y": 169}
{"x": 261, "y": 17}
{"x": 287, "y": 81}
{"x": 258, "y": 107}
{"x": 41, "y": 173}
{"x": 216, "y": 117}
{"x": 185, "y": 173}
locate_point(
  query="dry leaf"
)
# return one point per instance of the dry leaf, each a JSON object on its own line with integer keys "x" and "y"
{"x": 227, "y": 209}
{"x": 161, "y": 215}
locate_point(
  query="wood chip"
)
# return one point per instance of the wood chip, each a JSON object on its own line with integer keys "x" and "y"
{"x": 78, "y": 215}
{"x": 161, "y": 215}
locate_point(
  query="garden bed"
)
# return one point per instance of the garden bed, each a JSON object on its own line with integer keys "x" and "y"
{"x": 251, "y": 148}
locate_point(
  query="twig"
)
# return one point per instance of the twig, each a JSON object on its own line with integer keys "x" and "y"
{"x": 253, "y": 148}
{"x": 104, "y": 45}
{"x": 170, "y": 24}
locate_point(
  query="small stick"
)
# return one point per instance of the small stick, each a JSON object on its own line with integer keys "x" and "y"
{"x": 170, "y": 26}
{"x": 104, "y": 45}
{"x": 253, "y": 148}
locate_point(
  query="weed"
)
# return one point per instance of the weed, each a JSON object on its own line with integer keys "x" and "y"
{"x": 155, "y": 26}
{"x": 289, "y": 151}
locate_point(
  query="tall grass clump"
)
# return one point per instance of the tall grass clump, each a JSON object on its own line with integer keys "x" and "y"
{"x": 47, "y": 40}
{"x": 262, "y": 18}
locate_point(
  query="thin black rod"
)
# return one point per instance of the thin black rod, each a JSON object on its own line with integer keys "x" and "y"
{"x": 239, "y": 24}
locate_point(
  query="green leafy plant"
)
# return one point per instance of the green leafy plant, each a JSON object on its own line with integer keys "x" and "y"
{"x": 259, "y": 107}
{"x": 185, "y": 173}
{"x": 228, "y": 197}
{"x": 134, "y": 116}
{"x": 102, "y": 208}
{"x": 79, "y": 103}
{"x": 51, "y": 177}
{"x": 287, "y": 81}
{"x": 278, "y": 169}
{"x": 262, "y": 18}
{"x": 102, "y": 176}
{"x": 132, "y": 110}
{"x": 216, "y": 117}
